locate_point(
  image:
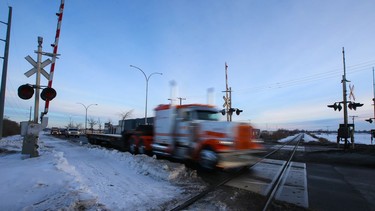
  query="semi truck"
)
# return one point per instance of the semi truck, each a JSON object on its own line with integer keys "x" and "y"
{"x": 190, "y": 132}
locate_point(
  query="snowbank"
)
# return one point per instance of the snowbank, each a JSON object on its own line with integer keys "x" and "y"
{"x": 70, "y": 176}
{"x": 359, "y": 138}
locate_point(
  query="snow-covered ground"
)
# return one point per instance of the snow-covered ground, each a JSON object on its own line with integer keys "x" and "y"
{"x": 70, "y": 176}
{"x": 359, "y": 138}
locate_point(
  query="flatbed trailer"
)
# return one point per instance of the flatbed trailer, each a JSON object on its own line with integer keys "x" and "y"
{"x": 134, "y": 141}
{"x": 113, "y": 140}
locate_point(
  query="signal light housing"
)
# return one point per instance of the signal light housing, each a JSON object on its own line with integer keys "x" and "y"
{"x": 231, "y": 110}
{"x": 48, "y": 94}
{"x": 25, "y": 91}
{"x": 335, "y": 106}
{"x": 238, "y": 111}
{"x": 354, "y": 105}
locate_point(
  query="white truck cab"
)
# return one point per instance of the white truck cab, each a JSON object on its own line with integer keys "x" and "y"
{"x": 194, "y": 132}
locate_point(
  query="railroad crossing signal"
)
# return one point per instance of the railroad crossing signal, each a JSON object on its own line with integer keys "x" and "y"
{"x": 336, "y": 106}
{"x": 34, "y": 69}
{"x": 354, "y": 105}
{"x": 226, "y": 101}
{"x": 48, "y": 94}
{"x": 369, "y": 120}
{"x": 25, "y": 91}
{"x": 238, "y": 111}
{"x": 351, "y": 105}
{"x": 351, "y": 95}
{"x": 231, "y": 110}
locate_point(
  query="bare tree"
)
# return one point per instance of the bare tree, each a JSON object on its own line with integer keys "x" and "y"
{"x": 125, "y": 115}
{"x": 92, "y": 123}
{"x": 99, "y": 124}
{"x": 79, "y": 126}
{"x": 70, "y": 125}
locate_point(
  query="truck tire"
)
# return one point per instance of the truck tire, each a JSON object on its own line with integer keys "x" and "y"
{"x": 132, "y": 146}
{"x": 141, "y": 147}
{"x": 208, "y": 159}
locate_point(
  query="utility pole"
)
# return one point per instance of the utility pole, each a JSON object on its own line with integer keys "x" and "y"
{"x": 181, "y": 99}
{"x": 373, "y": 86}
{"x": 353, "y": 118}
{"x": 5, "y": 70}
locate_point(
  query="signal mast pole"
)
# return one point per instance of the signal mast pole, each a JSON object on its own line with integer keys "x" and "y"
{"x": 5, "y": 70}
{"x": 228, "y": 96}
{"x": 37, "y": 82}
{"x": 344, "y": 99}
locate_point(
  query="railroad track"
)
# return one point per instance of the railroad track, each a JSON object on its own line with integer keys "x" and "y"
{"x": 275, "y": 185}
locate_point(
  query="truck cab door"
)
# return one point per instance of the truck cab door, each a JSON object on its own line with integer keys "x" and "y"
{"x": 182, "y": 134}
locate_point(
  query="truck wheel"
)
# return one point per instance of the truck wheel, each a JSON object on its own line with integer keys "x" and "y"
{"x": 208, "y": 159}
{"x": 141, "y": 147}
{"x": 132, "y": 146}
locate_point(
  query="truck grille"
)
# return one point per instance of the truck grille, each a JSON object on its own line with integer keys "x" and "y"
{"x": 243, "y": 139}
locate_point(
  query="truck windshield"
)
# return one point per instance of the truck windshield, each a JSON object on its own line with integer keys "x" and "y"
{"x": 207, "y": 115}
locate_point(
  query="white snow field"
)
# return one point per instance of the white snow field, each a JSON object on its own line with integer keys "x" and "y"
{"x": 68, "y": 176}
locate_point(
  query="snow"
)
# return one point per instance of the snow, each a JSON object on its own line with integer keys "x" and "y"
{"x": 72, "y": 176}
{"x": 287, "y": 138}
{"x": 359, "y": 138}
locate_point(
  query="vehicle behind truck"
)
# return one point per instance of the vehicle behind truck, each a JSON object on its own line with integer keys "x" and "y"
{"x": 190, "y": 132}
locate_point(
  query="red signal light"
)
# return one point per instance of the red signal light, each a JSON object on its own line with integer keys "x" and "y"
{"x": 25, "y": 91}
{"x": 48, "y": 94}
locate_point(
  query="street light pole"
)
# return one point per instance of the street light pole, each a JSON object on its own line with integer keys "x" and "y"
{"x": 147, "y": 79}
{"x": 86, "y": 107}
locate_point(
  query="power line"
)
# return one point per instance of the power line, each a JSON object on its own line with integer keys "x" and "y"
{"x": 310, "y": 78}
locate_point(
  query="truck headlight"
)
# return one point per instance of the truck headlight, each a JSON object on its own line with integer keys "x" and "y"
{"x": 226, "y": 142}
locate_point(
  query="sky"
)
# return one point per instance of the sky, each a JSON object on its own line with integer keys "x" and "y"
{"x": 285, "y": 61}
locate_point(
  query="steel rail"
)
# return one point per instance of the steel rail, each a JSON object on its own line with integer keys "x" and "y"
{"x": 239, "y": 172}
{"x": 276, "y": 184}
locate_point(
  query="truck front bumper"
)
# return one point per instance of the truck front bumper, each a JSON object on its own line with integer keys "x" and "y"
{"x": 236, "y": 159}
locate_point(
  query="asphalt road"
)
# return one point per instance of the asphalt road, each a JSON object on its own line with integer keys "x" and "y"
{"x": 333, "y": 187}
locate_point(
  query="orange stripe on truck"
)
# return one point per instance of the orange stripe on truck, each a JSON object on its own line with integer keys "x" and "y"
{"x": 244, "y": 138}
